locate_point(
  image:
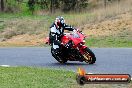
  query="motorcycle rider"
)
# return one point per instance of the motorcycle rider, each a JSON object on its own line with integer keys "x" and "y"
{"x": 56, "y": 32}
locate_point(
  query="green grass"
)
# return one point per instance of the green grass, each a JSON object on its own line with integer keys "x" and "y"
{"x": 108, "y": 42}
{"x": 26, "y": 77}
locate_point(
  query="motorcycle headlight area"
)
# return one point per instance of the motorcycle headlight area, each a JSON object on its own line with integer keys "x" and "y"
{"x": 83, "y": 42}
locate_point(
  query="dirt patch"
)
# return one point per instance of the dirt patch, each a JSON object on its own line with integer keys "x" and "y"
{"x": 111, "y": 26}
{"x": 24, "y": 40}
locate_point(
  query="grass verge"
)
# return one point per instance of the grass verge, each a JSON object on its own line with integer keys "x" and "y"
{"x": 29, "y": 77}
{"x": 108, "y": 42}
{"x": 26, "y": 77}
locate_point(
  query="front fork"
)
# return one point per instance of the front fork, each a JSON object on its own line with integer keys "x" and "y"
{"x": 81, "y": 49}
{"x": 83, "y": 52}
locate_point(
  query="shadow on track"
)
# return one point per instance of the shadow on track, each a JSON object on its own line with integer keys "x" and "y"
{"x": 68, "y": 64}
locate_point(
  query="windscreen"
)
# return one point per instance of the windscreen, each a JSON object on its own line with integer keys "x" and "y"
{"x": 75, "y": 35}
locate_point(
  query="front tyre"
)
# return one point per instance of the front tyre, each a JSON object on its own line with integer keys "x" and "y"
{"x": 89, "y": 56}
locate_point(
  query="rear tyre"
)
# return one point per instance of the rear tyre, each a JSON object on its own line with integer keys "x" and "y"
{"x": 89, "y": 56}
{"x": 58, "y": 57}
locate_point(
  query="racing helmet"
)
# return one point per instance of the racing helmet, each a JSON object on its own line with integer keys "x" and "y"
{"x": 59, "y": 21}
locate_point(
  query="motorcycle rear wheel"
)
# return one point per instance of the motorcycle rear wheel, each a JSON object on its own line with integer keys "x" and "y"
{"x": 89, "y": 56}
{"x": 58, "y": 58}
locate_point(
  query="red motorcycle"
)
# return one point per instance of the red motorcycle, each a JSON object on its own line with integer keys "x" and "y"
{"x": 73, "y": 48}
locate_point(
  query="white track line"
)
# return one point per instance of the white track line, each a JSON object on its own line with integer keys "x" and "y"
{"x": 5, "y": 65}
{"x": 90, "y": 73}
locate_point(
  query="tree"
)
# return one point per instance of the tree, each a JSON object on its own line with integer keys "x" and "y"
{"x": 75, "y": 5}
{"x": 105, "y": 3}
{"x": 2, "y": 5}
{"x": 51, "y": 6}
{"x": 31, "y": 4}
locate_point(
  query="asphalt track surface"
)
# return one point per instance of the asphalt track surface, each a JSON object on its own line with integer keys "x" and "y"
{"x": 109, "y": 60}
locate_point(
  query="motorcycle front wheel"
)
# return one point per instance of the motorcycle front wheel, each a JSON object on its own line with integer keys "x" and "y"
{"x": 89, "y": 56}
